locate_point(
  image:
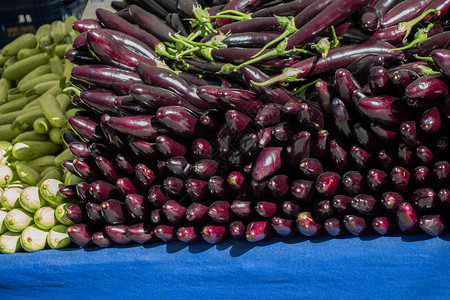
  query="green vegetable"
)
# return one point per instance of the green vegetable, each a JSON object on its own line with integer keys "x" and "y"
{"x": 10, "y": 198}
{"x": 31, "y": 200}
{"x": 10, "y": 242}
{"x": 44, "y": 217}
{"x": 3, "y": 213}
{"x": 58, "y": 237}
{"x": 33, "y": 239}
{"x": 18, "y": 219}
{"x": 22, "y": 67}
{"x": 60, "y": 214}
{"x": 49, "y": 189}
{"x": 27, "y": 40}
{"x": 27, "y": 150}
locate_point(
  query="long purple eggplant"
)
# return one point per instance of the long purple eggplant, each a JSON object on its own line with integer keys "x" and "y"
{"x": 169, "y": 80}
{"x": 404, "y": 11}
{"x": 102, "y": 75}
{"x": 112, "y": 53}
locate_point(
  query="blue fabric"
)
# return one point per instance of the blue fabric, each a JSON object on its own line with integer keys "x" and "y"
{"x": 405, "y": 267}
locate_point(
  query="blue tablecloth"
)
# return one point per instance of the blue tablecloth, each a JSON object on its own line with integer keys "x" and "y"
{"x": 406, "y": 267}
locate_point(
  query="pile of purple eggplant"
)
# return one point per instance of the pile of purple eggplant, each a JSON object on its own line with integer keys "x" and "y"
{"x": 247, "y": 119}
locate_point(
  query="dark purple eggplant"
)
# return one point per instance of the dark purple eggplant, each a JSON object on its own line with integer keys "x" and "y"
{"x": 144, "y": 175}
{"x": 169, "y": 147}
{"x": 102, "y": 75}
{"x": 79, "y": 149}
{"x": 355, "y": 225}
{"x": 441, "y": 172}
{"x": 180, "y": 121}
{"x": 400, "y": 178}
{"x": 197, "y": 189}
{"x": 174, "y": 186}
{"x": 218, "y": 187}
{"x": 310, "y": 118}
{"x": 196, "y": 212}
{"x": 444, "y": 197}
{"x": 201, "y": 149}
{"x": 319, "y": 144}
{"x": 264, "y": 136}
{"x": 237, "y": 230}
{"x": 137, "y": 206}
{"x": 421, "y": 175}
{"x": 323, "y": 94}
{"x": 219, "y": 211}
{"x": 341, "y": 203}
{"x": 407, "y": 220}
{"x": 390, "y": 201}
{"x": 127, "y": 186}
{"x": 102, "y": 190}
{"x": 405, "y": 156}
{"x": 269, "y": 114}
{"x": 266, "y": 209}
{"x": 364, "y": 203}
{"x": 345, "y": 84}
{"x": 101, "y": 239}
{"x": 80, "y": 234}
{"x": 341, "y": 117}
{"x": 117, "y": 233}
{"x": 334, "y": 227}
{"x": 432, "y": 224}
{"x": 404, "y": 11}
{"x": 206, "y": 168}
{"x": 387, "y": 110}
{"x": 360, "y": 157}
{"x": 384, "y": 133}
{"x": 258, "y": 231}
{"x": 303, "y": 190}
{"x": 157, "y": 196}
{"x": 311, "y": 167}
{"x": 179, "y": 166}
{"x": 166, "y": 233}
{"x": 152, "y": 24}
{"x": 268, "y": 161}
{"x": 385, "y": 159}
{"x": 169, "y": 80}
{"x": 379, "y": 81}
{"x": 430, "y": 122}
{"x": 86, "y": 129}
{"x": 188, "y": 234}
{"x": 352, "y": 182}
{"x": 441, "y": 59}
{"x": 241, "y": 208}
{"x": 94, "y": 213}
{"x": 113, "y": 211}
{"x": 279, "y": 185}
{"x": 327, "y": 184}
{"x": 213, "y": 234}
{"x": 86, "y": 168}
{"x": 307, "y": 225}
{"x": 377, "y": 180}
{"x": 381, "y": 225}
{"x": 298, "y": 148}
{"x": 323, "y": 209}
{"x": 173, "y": 211}
{"x": 141, "y": 233}
{"x": 125, "y": 165}
{"x": 424, "y": 199}
{"x": 284, "y": 227}
{"x": 290, "y": 209}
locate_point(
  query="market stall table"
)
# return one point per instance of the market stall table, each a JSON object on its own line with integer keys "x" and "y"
{"x": 374, "y": 267}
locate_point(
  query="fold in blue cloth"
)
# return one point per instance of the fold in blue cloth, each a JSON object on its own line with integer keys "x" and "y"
{"x": 369, "y": 267}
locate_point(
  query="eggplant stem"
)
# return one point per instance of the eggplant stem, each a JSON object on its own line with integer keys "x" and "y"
{"x": 290, "y": 29}
{"x": 186, "y": 52}
{"x": 335, "y": 41}
{"x": 288, "y": 75}
{"x": 304, "y": 87}
{"x": 425, "y": 58}
{"x": 72, "y": 89}
{"x": 236, "y": 18}
{"x": 323, "y": 46}
{"x": 420, "y": 36}
{"x": 407, "y": 26}
{"x": 231, "y": 11}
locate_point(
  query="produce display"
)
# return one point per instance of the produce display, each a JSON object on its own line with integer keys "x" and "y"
{"x": 33, "y": 116}
{"x": 210, "y": 119}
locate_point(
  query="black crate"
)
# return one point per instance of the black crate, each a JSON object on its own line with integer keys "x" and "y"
{"x": 21, "y": 16}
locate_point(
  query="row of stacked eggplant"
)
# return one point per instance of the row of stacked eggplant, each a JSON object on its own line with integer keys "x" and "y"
{"x": 248, "y": 119}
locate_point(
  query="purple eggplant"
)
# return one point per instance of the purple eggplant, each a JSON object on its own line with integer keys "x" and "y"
{"x": 298, "y": 148}
{"x": 444, "y": 197}
{"x": 323, "y": 209}
{"x": 157, "y": 196}
{"x": 364, "y": 203}
{"x": 268, "y": 161}
{"x": 188, "y": 234}
{"x": 441, "y": 59}
{"x": 355, "y": 225}
{"x": 117, "y": 233}
{"x": 377, "y": 180}
{"x": 86, "y": 129}
{"x": 166, "y": 233}
{"x": 441, "y": 172}
{"x": 390, "y": 201}
{"x": 101, "y": 239}
{"x": 179, "y": 166}
{"x": 201, "y": 149}
{"x": 404, "y": 11}
{"x": 173, "y": 211}
{"x": 341, "y": 203}
{"x": 219, "y": 211}
{"x": 258, "y": 231}
{"x": 174, "y": 186}
{"x": 127, "y": 186}
{"x": 197, "y": 189}
{"x": 310, "y": 118}
{"x": 381, "y": 225}
{"x": 113, "y": 211}
{"x": 430, "y": 122}
{"x": 432, "y": 224}
{"x": 180, "y": 121}
{"x": 169, "y": 147}
{"x": 311, "y": 167}
{"x": 290, "y": 209}
{"x": 407, "y": 220}
{"x": 303, "y": 190}
{"x": 327, "y": 184}
{"x": 137, "y": 206}
{"x": 102, "y": 190}
{"x": 85, "y": 25}
{"x": 218, "y": 187}
{"x": 241, "y": 208}
{"x": 141, "y": 233}
{"x": 79, "y": 149}
{"x": 237, "y": 230}
{"x": 213, "y": 234}
{"x": 334, "y": 227}
{"x": 236, "y": 121}
{"x": 86, "y": 168}
{"x": 284, "y": 227}
{"x": 103, "y": 75}
{"x": 424, "y": 199}
{"x": 94, "y": 213}
{"x": 80, "y": 234}
{"x": 353, "y": 182}
{"x": 196, "y": 212}
{"x": 421, "y": 175}
{"x": 206, "y": 168}
{"x": 279, "y": 185}
{"x": 345, "y": 84}
{"x": 125, "y": 165}
{"x": 307, "y": 225}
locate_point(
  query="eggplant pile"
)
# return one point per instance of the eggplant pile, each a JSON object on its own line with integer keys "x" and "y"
{"x": 205, "y": 120}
